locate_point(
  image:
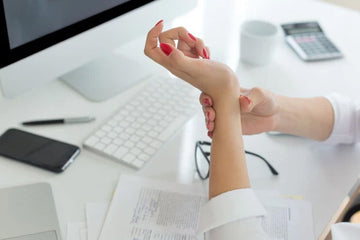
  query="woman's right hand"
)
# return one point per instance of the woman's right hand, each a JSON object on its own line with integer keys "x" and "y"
{"x": 258, "y": 107}
{"x": 214, "y": 78}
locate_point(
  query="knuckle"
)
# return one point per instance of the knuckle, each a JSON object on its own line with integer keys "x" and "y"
{"x": 258, "y": 90}
{"x": 181, "y": 29}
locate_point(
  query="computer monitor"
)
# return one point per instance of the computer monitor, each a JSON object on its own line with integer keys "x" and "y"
{"x": 41, "y": 40}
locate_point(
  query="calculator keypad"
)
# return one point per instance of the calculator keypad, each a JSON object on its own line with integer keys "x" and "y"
{"x": 315, "y": 46}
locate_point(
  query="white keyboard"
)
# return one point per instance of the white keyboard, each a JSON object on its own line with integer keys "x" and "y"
{"x": 135, "y": 133}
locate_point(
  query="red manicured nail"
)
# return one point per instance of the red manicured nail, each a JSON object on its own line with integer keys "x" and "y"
{"x": 207, "y": 102}
{"x": 210, "y": 134}
{"x": 208, "y": 115}
{"x": 159, "y": 22}
{"x": 206, "y": 56}
{"x": 247, "y": 99}
{"x": 166, "y": 48}
{"x": 192, "y": 37}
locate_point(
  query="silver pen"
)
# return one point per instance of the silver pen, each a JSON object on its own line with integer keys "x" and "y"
{"x": 59, "y": 121}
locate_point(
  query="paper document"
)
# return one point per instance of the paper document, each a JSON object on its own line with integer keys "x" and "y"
{"x": 144, "y": 209}
{"x": 95, "y": 217}
{"x": 288, "y": 219}
{"x": 75, "y": 230}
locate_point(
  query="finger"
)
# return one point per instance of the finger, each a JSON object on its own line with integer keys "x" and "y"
{"x": 210, "y": 125}
{"x": 208, "y": 52}
{"x": 201, "y": 48}
{"x": 210, "y": 134}
{"x": 179, "y": 33}
{"x": 209, "y": 113}
{"x": 245, "y": 103}
{"x": 151, "y": 45}
{"x": 205, "y": 99}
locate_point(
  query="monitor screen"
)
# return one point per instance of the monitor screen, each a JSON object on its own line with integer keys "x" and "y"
{"x": 28, "y": 26}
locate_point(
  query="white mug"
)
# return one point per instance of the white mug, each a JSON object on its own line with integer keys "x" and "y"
{"x": 258, "y": 42}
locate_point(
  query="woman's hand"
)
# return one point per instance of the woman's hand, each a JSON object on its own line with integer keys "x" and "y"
{"x": 258, "y": 108}
{"x": 215, "y": 79}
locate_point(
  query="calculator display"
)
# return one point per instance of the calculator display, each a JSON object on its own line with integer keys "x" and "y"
{"x": 299, "y": 28}
{"x": 302, "y": 30}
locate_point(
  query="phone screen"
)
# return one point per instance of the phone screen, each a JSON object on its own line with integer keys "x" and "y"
{"x": 37, "y": 150}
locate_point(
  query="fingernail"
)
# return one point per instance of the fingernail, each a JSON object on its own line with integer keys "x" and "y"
{"x": 208, "y": 125}
{"x": 159, "y": 22}
{"x": 166, "y": 48}
{"x": 192, "y": 37}
{"x": 207, "y": 102}
{"x": 206, "y": 56}
{"x": 210, "y": 134}
{"x": 208, "y": 115}
{"x": 247, "y": 99}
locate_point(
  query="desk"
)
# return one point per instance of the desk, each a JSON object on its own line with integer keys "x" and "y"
{"x": 321, "y": 174}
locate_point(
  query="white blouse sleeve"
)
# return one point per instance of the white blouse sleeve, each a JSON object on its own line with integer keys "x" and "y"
{"x": 232, "y": 215}
{"x": 345, "y": 231}
{"x": 346, "y": 128}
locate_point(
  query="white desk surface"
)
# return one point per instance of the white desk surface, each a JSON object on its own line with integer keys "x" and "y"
{"x": 319, "y": 173}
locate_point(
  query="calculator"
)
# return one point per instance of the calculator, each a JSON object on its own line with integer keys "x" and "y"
{"x": 309, "y": 41}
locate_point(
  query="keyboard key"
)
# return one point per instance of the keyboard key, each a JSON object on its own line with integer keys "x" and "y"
{"x": 144, "y": 157}
{"x": 137, "y": 163}
{"x": 120, "y": 152}
{"x": 100, "y": 133}
{"x": 112, "y": 135}
{"x": 91, "y": 141}
{"x": 150, "y": 151}
{"x": 106, "y": 140}
{"x": 128, "y": 158}
{"x": 141, "y": 145}
{"x": 110, "y": 149}
{"x": 99, "y": 146}
{"x": 135, "y": 151}
{"x": 106, "y": 128}
{"x": 156, "y": 144}
{"x": 129, "y": 144}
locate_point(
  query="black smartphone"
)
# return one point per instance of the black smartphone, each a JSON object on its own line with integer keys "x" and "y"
{"x": 36, "y": 150}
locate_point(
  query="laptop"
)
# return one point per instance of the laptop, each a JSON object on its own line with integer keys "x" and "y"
{"x": 28, "y": 213}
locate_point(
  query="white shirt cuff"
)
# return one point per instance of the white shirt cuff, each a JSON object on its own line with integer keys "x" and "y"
{"x": 344, "y": 129}
{"x": 228, "y": 207}
{"x": 345, "y": 231}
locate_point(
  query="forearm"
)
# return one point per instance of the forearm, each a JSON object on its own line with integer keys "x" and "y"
{"x": 306, "y": 117}
{"x": 228, "y": 170}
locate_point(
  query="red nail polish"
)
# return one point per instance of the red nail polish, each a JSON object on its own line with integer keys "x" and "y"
{"x": 247, "y": 99}
{"x": 208, "y": 115}
{"x": 207, "y": 102}
{"x": 192, "y": 37}
{"x": 208, "y": 125}
{"x": 159, "y": 22}
{"x": 210, "y": 134}
{"x": 206, "y": 56}
{"x": 166, "y": 48}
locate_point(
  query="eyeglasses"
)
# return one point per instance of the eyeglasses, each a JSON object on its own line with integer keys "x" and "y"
{"x": 202, "y": 159}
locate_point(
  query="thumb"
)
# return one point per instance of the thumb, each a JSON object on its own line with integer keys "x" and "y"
{"x": 250, "y": 99}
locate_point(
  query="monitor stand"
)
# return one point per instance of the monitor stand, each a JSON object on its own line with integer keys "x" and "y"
{"x": 105, "y": 77}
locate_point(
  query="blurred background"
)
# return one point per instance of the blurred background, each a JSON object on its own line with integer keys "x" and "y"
{"x": 353, "y": 4}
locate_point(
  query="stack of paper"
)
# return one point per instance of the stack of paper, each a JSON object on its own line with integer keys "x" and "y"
{"x": 144, "y": 209}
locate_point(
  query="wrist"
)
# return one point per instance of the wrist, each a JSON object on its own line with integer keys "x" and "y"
{"x": 283, "y": 117}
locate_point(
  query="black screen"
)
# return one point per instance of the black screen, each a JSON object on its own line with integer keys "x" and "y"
{"x": 27, "y": 20}
{"x": 29, "y": 26}
{"x": 36, "y": 150}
